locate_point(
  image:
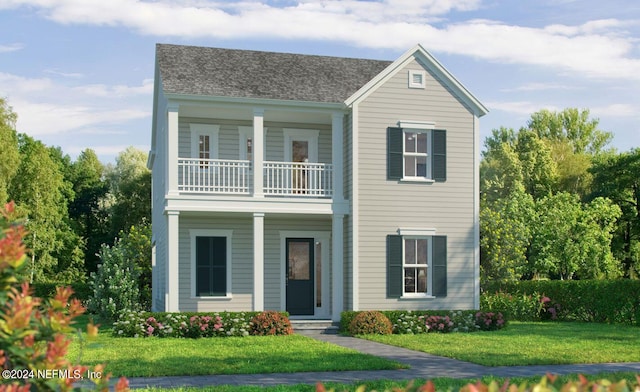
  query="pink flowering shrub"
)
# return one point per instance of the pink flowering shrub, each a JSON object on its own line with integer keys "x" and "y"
{"x": 179, "y": 325}
{"x": 441, "y": 324}
{"x": 549, "y": 309}
{"x": 490, "y": 321}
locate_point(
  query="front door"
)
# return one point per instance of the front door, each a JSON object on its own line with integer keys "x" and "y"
{"x": 300, "y": 276}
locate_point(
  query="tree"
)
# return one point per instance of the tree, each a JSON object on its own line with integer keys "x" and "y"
{"x": 9, "y": 152}
{"x": 618, "y": 178}
{"x": 130, "y": 186}
{"x": 571, "y": 240}
{"x": 90, "y": 218}
{"x": 505, "y": 236}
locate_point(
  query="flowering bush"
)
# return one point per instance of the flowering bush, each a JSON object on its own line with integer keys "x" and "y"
{"x": 33, "y": 332}
{"x": 410, "y": 323}
{"x": 271, "y": 323}
{"x": 370, "y": 323}
{"x": 463, "y": 321}
{"x": 490, "y": 321}
{"x": 439, "y": 324}
{"x": 550, "y": 309}
{"x": 143, "y": 324}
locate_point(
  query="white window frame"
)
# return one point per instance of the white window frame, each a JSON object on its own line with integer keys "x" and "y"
{"x": 429, "y": 267}
{"x": 193, "y": 234}
{"x": 301, "y": 135}
{"x": 423, "y": 76}
{"x": 418, "y": 127}
{"x": 197, "y": 130}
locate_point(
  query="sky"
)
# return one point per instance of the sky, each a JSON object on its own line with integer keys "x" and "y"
{"x": 79, "y": 73}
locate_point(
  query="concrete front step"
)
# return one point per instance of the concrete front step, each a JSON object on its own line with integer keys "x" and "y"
{"x": 323, "y": 326}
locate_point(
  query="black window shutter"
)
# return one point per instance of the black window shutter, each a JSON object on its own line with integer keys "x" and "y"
{"x": 439, "y": 266}
{"x": 394, "y": 153}
{"x": 394, "y": 266}
{"x": 439, "y": 152}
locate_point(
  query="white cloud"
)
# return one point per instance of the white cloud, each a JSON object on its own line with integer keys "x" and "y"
{"x": 10, "y": 47}
{"x": 120, "y": 91}
{"x": 72, "y": 75}
{"x": 535, "y": 86}
{"x": 519, "y": 107}
{"x": 616, "y": 110}
{"x": 598, "y": 48}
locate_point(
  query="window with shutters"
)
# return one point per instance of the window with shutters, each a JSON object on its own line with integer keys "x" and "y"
{"x": 415, "y": 154}
{"x": 211, "y": 258}
{"x": 416, "y": 266}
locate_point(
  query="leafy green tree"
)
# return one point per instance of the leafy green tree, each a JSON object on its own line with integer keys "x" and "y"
{"x": 90, "y": 218}
{"x": 573, "y": 126}
{"x": 538, "y": 168}
{"x": 505, "y": 236}
{"x": 9, "y": 152}
{"x": 136, "y": 243}
{"x": 617, "y": 176}
{"x": 573, "y": 241}
{"x": 130, "y": 187}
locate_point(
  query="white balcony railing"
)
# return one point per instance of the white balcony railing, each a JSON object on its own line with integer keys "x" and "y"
{"x": 298, "y": 179}
{"x": 289, "y": 179}
{"x": 213, "y": 176}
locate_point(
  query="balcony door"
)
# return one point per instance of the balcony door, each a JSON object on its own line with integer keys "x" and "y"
{"x": 300, "y": 269}
{"x": 301, "y": 147}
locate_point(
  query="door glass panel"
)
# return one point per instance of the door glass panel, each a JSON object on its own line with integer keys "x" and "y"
{"x": 318, "y": 257}
{"x": 299, "y": 260}
{"x": 300, "y": 151}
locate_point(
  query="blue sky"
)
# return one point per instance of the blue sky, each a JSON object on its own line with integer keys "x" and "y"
{"x": 79, "y": 73}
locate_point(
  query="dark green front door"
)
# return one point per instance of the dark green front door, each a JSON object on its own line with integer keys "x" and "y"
{"x": 300, "y": 279}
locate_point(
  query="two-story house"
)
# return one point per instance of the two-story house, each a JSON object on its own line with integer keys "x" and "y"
{"x": 312, "y": 184}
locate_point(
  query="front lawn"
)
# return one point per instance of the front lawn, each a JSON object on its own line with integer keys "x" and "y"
{"x": 147, "y": 357}
{"x": 529, "y": 343}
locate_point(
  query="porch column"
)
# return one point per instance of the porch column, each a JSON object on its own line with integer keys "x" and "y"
{"x": 172, "y": 297}
{"x": 171, "y": 162}
{"x": 258, "y": 152}
{"x": 336, "y": 155}
{"x": 258, "y": 261}
{"x": 337, "y": 261}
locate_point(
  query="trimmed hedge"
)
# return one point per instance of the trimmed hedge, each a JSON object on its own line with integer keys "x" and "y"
{"x": 603, "y": 301}
{"x": 81, "y": 291}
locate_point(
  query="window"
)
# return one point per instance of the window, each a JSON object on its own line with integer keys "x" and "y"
{"x": 416, "y": 266}
{"x": 417, "y": 79}
{"x": 415, "y": 154}
{"x": 246, "y": 144}
{"x": 211, "y": 258}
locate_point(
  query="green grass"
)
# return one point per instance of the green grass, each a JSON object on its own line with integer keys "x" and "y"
{"x": 441, "y": 384}
{"x": 147, "y": 357}
{"x": 528, "y": 343}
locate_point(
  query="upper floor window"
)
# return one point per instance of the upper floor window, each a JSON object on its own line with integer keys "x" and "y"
{"x": 416, "y": 154}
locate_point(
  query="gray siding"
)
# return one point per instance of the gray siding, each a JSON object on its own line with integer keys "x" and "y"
{"x": 384, "y": 205}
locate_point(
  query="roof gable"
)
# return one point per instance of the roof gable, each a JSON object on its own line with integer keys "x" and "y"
{"x": 429, "y": 62}
{"x": 192, "y": 70}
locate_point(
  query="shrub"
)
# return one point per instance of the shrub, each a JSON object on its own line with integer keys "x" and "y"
{"x": 409, "y": 323}
{"x": 270, "y": 323}
{"x": 517, "y": 306}
{"x": 370, "y": 323}
{"x": 463, "y": 321}
{"x": 34, "y": 331}
{"x": 441, "y": 324}
{"x": 490, "y": 321}
{"x": 115, "y": 287}
{"x": 605, "y": 301}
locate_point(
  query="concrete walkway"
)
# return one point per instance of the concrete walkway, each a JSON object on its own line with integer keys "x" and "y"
{"x": 423, "y": 365}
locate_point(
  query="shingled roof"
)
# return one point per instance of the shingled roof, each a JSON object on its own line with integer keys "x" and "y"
{"x": 205, "y": 71}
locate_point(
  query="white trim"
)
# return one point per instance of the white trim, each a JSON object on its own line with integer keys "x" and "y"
{"x": 193, "y": 233}
{"x": 337, "y": 154}
{"x": 423, "y": 76}
{"x": 429, "y": 266}
{"x": 244, "y": 133}
{"x": 258, "y": 152}
{"x": 355, "y": 209}
{"x": 412, "y": 232}
{"x": 304, "y": 135}
{"x": 172, "y": 267}
{"x": 210, "y": 130}
{"x": 428, "y": 177}
{"x": 258, "y": 261}
{"x": 476, "y": 212}
{"x": 324, "y": 237}
{"x": 412, "y": 124}
{"x": 171, "y": 149}
{"x": 337, "y": 266}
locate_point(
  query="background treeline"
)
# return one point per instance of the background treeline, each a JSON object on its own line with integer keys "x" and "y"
{"x": 557, "y": 203}
{"x": 72, "y": 209}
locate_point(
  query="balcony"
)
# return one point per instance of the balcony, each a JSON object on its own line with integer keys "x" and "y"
{"x": 234, "y": 177}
